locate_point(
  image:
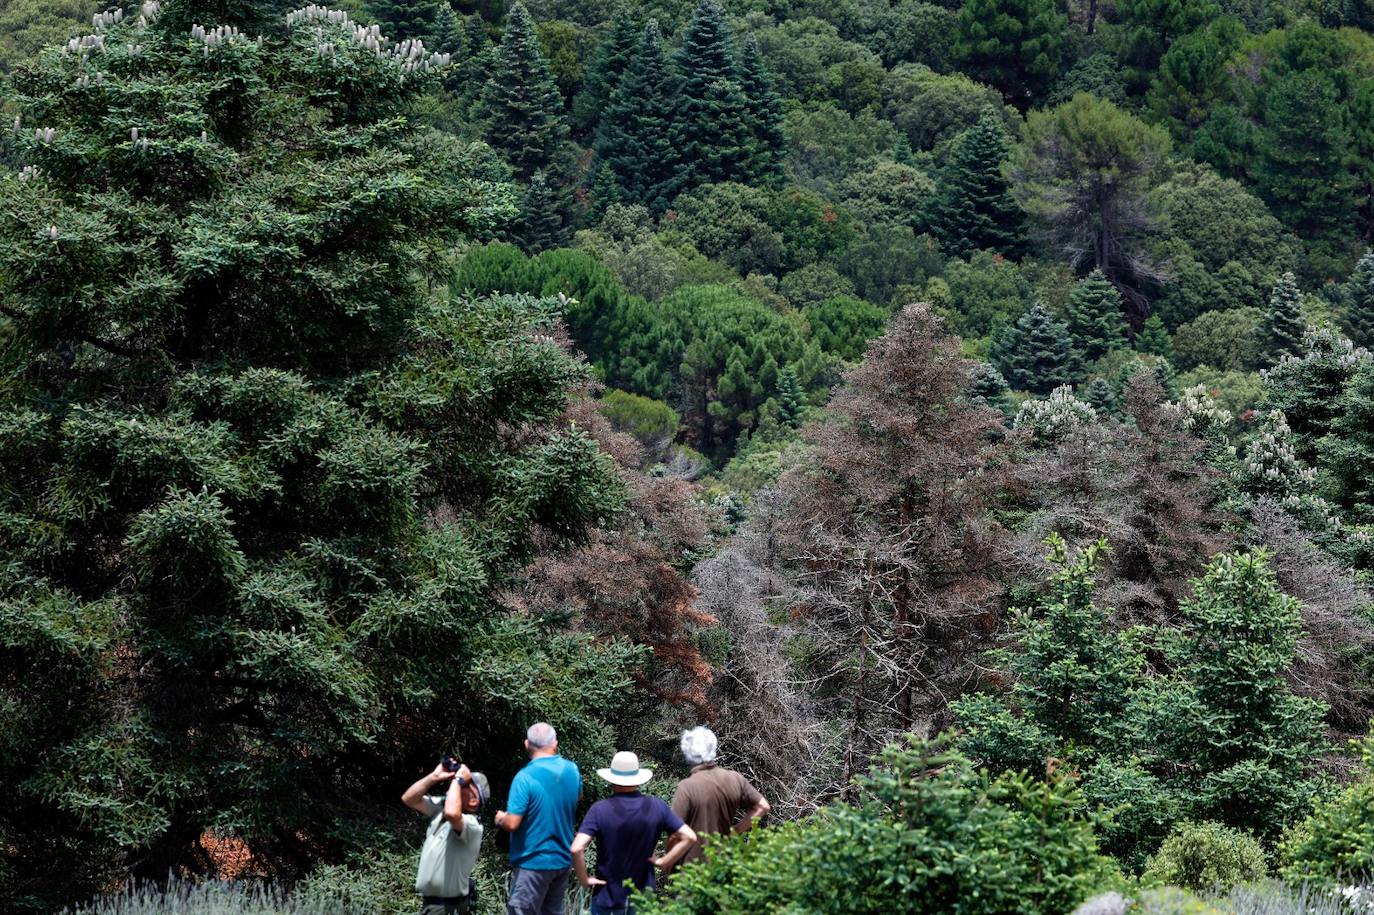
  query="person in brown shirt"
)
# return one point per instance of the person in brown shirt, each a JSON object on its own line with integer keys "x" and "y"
{"x": 714, "y": 800}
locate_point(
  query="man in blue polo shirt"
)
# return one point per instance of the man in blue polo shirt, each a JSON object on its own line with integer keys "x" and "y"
{"x": 626, "y": 828}
{"x": 540, "y": 820}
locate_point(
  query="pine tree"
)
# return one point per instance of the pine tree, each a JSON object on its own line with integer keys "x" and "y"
{"x": 902, "y": 152}
{"x": 1359, "y": 306}
{"x": 1282, "y": 328}
{"x": 976, "y": 211}
{"x": 791, "y": 398}
{"x": 1347, "y": 454}
{"x": 711, "y": 128}
{"x": 1015, "y": 45}
{"x": 541, "y": 222}
{"x": 636, "y": 159}
{"x": 765, "y": 115}
{"x": 1096, "y": 326}
{"x": 523, "y": 106}
{"x": 604, "y": 71}
{"x": 1034, "y": 353}
{"x": 402, "y": 19}
{"x": 1154, "y": 339}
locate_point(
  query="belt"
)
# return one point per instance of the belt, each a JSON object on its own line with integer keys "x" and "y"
{"x": 444, "y": 900}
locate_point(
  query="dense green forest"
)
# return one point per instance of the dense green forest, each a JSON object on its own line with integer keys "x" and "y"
{"x": 964, "y": 408}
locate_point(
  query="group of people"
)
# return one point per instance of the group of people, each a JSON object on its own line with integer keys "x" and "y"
{"x": 544, "y": 844}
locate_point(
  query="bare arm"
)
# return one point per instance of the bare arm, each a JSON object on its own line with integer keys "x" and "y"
{"x": 579, "y": 856}
{"x": 414, "y": 796}
{"x": 510, "y": 822}
{"x": 759, "y": 811}
{"x": 679, "y": 843}
{"x": 453, "y": 801}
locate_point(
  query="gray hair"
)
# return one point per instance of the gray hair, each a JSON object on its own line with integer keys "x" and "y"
{"x": 699, "y": 745}
{"x": 541, "y": 735}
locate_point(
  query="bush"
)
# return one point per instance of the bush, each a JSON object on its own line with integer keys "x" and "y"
{"x": 1226, "y": 340}
{"x": 651, "y": 422}
{"x": 1206, "y": 857}
{"x": 183, "y": 898}
{"x": 1336, "y": 843}
{"x": 928, "y": 834}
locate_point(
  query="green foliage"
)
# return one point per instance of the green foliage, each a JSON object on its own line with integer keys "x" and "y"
{"x": 523, "y": 107}
{"x": 1227, "y": 340}
{"x": 1096, "y": 326}
{"x": 1034, "y": 354}
{"x": 711, "y": 129}
{"x": 791, "y": 399}
{"x": 216, "y": 899}
{"x": 927, "y": 835}
{"x": 1014, "y": 45}
{"x": 1335, "y": 845}
{"x": 1072, "y": 677}
{"x": 1097, "y": 74}
{"x": 1281, "y": 330}
{"x": 402, "y": 19}
{"x": 606, "y": 67}
{"x": 1192, "y": 78}
{"x": 986, "y": 292}
{"x": 541, "y": 223}
{"x": 1346, "y": 455}
{"x": 1083, "y": 172}
{"x": 1309, "y": 388}
{"x": 29, "y": 26}
{"x": 975, "y": 209}
{"x": 1359, "y": 298}
{"x": 652, "y": 422}
{"x": 260, "y": 490}
{"x": 764, "y": 114}
{"x": 1154, "y": 339}
{"x": 929, "y": 107}
{"x": 1239, "y": 743}
{"x": 636, "y": 158}
{"x": 1145, "y": 29}
{"x": 1207, "y": 857}
{"x": 844, "y": 325}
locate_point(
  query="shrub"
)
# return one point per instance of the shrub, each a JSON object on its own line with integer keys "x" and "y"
{"x": 651, "y": 422}
{"x": 1206, "y": 857}
{"x": 1336, "y": 843}
{"x": 184, "y": 898}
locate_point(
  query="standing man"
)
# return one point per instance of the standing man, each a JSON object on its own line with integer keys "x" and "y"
{"x": 452, "y": 840}
{"x": 543, "y": 802}
{"x": 626, "y": 827}
{"x": 713, "y": 800}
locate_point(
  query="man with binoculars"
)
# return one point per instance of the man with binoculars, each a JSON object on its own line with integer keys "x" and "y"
{"x": 453, "y": 838}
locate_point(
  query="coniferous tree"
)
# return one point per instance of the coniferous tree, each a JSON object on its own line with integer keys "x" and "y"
{"x": 522, "y": 102}
{"x": 1282, "y": 328}
{"x": 976, "y": 210}
{"x": 1034, "y": 353}
{"x": 1154, "y": 339}
{"x": 765, "y": 115}
{"x": 1096, "y": 326}
{"x": 449, "y": 33}
{"x": 1015, "y": 45}
{"x": 604, "y": 71}
{"x": 636, "y": 159}
{"x": 1347, "y": 453}
{"x": 711, "y": 128}
{"x": 402, "y": 19}
{"x": 791, "y": 398}
{"x": 541, "y": 222}
{"x": 1359, "y": 305}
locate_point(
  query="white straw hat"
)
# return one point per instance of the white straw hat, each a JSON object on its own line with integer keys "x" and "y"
{"x": 625, "y": 771}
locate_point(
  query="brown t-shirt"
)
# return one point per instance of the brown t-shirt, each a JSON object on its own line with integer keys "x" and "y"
{"x": 712, "y": 800}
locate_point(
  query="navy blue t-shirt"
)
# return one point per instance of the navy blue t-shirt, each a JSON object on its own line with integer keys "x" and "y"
{"x": 626, "y": 828}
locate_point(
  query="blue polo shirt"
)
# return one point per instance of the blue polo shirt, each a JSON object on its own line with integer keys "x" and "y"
{"x": 545, "y": 793}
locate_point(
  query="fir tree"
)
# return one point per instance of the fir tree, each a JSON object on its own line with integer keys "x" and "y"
{"x": 636, "y": 160}
{"x": 1034, "y": 353}
{"x": 1095, "y": 323}
{"x": 989, "y": 388}
{"x": 765, "y": 115}
{"x": 711, "y": 128}
{"x": 791, "y": 398}
{"x": 541, "y": 222}
{"x": 1282, "y": 329}
{"x": 1347, "y": 453}
{"x": 523, "y": 106}
{"x": 448, "y": 35}
{"x": 976, "y": 210}
{"x": 604, "y": 71}
{"x": 1226, "y": 728}
{"x": 1359, "y": 305}
{"x": 1154, "y": 339}
{"x": 402, "y": 19}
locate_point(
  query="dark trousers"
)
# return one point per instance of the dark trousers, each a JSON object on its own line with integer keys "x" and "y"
{"x": 536, "y": 892}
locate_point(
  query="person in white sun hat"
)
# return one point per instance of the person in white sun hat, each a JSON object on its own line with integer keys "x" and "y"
{"x": 626, "y": 827}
